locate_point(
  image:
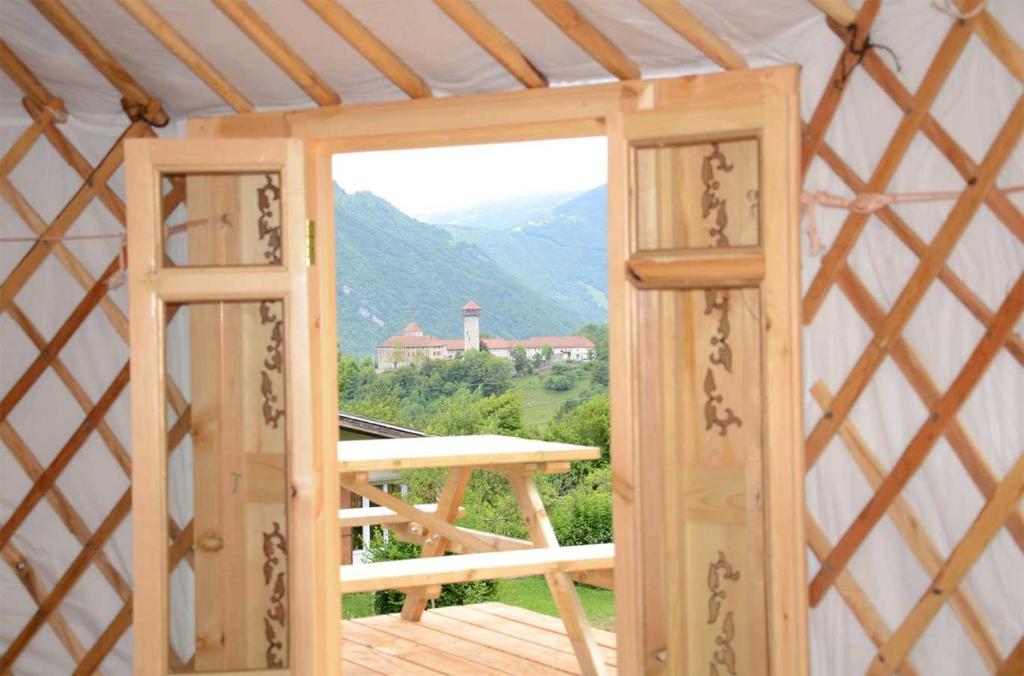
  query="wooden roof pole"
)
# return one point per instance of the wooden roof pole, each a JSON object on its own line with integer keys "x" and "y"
{"x": 27, "y": 82}
{"x": 178, "y": 46}
{"x": 815, "y": 130}
{"x": 593, "y": 41}
{"x": 371, "y": 47}
{"x": 493, "y": 41}
{"x": 86, "y": 43}
{"x": 837, "y": 10}
{"x": 678, "y": 18}
{"x": 250, "y": 23}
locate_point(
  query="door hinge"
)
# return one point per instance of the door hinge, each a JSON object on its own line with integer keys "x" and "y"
{"x": 310, "y": 242}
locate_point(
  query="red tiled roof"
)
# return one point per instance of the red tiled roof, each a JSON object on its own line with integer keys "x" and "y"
{"x": 412, "y": 341}
{"x": 470, "y": 306}
{"x": 539, "y": 342}
{"x": 411, "y": 327}
{"x": 453, "y": 343}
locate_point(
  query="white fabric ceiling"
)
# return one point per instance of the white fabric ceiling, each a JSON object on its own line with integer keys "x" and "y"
{"x": 972, "y": 106}
{"x": 420, "y": 33}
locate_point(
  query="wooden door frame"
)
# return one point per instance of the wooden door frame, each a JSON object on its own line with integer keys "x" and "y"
{"x": 531, "y": 115}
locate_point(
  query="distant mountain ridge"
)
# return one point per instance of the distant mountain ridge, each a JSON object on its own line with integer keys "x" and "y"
{"x": 563, "y": 255}
{"x": 393, "y": 269}
{"x": 501, "y": 214}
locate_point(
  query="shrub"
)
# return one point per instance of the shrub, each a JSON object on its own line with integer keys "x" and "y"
{"x": 459, "y": 594}
{"x": 584, "y": 515}
{"x": 558, "y": 383}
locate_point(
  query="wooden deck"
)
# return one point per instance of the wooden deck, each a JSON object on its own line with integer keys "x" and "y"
{"x": 477, "y": 640}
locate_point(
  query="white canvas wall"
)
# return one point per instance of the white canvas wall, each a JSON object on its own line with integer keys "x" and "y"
{"x": 972, "y": 106}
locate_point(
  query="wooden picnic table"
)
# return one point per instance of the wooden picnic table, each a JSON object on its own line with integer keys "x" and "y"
{"x": 483, "y": 555}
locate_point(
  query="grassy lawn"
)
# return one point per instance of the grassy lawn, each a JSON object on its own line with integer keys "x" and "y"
{"x": 528, "y": 592}
{"x": 540, "y": 404}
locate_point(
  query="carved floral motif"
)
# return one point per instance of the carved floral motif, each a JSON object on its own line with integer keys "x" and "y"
{"x": 275, "y": 550}
{"x": 271, "y": 313}
{"x": 718, "y": 572}
{"x": 266, "y": 196}
{"x": 716, "y": 300}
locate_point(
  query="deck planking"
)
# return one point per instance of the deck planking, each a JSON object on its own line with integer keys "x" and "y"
{"x": 478, "y": 640}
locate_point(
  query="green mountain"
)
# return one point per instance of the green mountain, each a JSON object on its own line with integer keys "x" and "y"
{"x": 563, "y": 254}
{"x": 393, "y": 269}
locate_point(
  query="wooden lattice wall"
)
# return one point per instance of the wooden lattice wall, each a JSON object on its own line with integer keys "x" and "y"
{"x": 893, "y": 642}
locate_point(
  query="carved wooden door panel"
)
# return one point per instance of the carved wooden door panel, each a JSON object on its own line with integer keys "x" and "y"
{"x": 223, "y": 476}
{"x": 706, "y": 374}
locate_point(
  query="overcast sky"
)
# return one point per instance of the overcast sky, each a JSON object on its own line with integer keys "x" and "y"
{"x": 429, "y": 180}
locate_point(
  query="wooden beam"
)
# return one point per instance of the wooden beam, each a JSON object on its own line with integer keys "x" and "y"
{"x": 837, "y": 10}
{"x": 470, "y": 567}
{"x": 815, "y": 130}
{"x": 941, "y": 246}
{"x": 942, "y": 413}
{"x": 372, "y": 49}
{"x": 591, "y": 40}
{"x": 63, "y": 508}
{"x": 178, "y": 46}
{"x": 67, "y": 580}
{"x": 953, "y": 572}
{"x": 946, "y": 57}
{"x": 853, "y": 594}
{"x": 26, "y": 574}
{"x": 27, "y": 82}
{"x": 49, "y": 476}
{"x": 906, "y": 234}
{"x": 21, "y": 273}
{"x": 24, "y": 142}
{"x": 673, "y": 14}
{"x": 560, "y": 583}
{"x": 260, "y": 32}
{"x": 493, "y": 41}
{"x": 914, "y": 534}
{"x": 1014, "y": 662}
{"x": 914, "y": 370}
{"x": 91, "y": 48}
{"x": 354, "y": 517}
{"x": 996, "y": 199}
{"x": 731, "y": 267}
{"x": 89, "y": 664}
{"x": 1001, "y": 43}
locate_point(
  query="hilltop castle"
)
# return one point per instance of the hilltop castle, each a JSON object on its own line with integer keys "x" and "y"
{"x": 413, "y": 347}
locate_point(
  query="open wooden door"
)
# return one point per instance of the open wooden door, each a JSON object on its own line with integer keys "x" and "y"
{"x": 706, "y": 405}
{"x": 226, "y": 490}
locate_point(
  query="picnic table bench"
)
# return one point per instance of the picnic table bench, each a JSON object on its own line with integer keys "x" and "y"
{"x": 481, "y": 555}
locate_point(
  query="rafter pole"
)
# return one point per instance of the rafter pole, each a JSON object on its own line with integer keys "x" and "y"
{"x": 91, "y": 48}
{"x": 371, "y": 47}
{"x": 591, "y": 40}
{"x": 821, "y": 119}
{"x": 264, "y": 37}
{"x": 493, "y": 41}
{"x": 674, "y": 15}
{"x": 28, "y": 83}
{"x": 177, "y": 45}
{"x": 837, "y": 10}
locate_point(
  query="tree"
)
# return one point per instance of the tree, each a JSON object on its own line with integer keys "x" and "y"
{"x": 547, "y": 352}
{"x": 536, "y": 360}
{"x": 522, "y": 364}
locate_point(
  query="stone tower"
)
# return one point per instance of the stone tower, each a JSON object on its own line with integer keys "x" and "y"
{"x": 471, "y": 325}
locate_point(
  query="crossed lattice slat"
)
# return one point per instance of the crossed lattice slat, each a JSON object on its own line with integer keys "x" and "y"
{"x": 44, "y": 479}
{"x": 1001, "y": 496}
